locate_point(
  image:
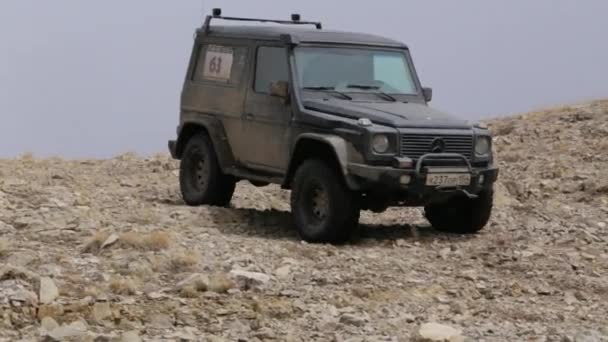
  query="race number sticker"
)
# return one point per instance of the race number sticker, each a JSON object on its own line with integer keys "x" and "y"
{"x": 218, "y": 63}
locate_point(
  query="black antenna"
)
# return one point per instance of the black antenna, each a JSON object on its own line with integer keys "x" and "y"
{"x": 296, "y": 19}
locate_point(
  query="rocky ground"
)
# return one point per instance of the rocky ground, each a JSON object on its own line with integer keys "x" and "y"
{"x": 105, "y": 250}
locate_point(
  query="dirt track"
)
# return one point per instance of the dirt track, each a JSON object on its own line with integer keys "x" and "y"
{"x": 538, "y": 272}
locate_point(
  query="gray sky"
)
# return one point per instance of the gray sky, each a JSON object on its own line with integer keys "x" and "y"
{"x": 98, "y": 78}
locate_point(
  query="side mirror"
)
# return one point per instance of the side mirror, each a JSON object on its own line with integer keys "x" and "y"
{"x": 280, "y": 89}
{"x": 428, "y": 94}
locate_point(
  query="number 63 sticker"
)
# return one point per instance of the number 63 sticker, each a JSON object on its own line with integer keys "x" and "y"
{"x": 218, "y": 63}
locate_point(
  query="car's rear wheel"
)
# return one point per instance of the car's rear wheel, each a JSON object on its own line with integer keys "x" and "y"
{"x": 201, "y": 179}
{"x": 461, "y": 215}
{"x": 323, "y": 208}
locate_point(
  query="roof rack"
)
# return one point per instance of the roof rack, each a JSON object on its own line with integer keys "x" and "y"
{"x": 295, "y": 20}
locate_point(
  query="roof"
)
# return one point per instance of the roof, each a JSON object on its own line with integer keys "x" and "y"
{"x": 302, "y": 35}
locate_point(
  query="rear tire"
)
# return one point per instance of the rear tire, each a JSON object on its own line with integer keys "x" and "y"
{"x": 461, "y": 215}
{"x": 323, "y": 208}
{"x": 201, "y": 179}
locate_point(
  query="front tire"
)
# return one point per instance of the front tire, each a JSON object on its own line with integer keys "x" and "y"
{"x": 201, "y": 179}
{"x": 461, "y": 215}
{"x": 323, "y": 208}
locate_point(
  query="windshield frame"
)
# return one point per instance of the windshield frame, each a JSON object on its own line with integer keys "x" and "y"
{"x": 414, "y": 97}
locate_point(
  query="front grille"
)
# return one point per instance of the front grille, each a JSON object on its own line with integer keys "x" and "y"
{"x": 415, "y": 145}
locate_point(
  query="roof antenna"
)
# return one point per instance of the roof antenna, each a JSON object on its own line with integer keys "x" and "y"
{"x": 203, "y": 8}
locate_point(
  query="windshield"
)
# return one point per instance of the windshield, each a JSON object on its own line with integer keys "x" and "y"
{"x": 354, "y": 70}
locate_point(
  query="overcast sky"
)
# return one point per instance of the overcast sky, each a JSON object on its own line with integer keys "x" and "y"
{"x": 98, "y": 78}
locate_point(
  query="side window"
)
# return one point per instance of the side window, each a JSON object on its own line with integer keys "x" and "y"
{"x": 222, "y": 64}
{"x": 271, "y": 67}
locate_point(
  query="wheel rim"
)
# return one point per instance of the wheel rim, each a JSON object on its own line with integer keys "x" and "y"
{"x": 320, "y": 203}
{"x": 316, "y": 203}
{"x": 202, "y": 173}
{"x": 199, "y": 171}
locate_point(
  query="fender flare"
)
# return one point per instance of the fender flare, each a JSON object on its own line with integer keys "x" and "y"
{"x": 196, "y": 122}
{"x": 340, "y": 147}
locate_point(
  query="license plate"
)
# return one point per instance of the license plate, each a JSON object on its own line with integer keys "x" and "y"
{"x": 446, "y": 179}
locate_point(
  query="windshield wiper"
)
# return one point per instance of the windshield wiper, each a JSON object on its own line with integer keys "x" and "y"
{"x": 377, "y": 91}
{"x": 331, "y": 90}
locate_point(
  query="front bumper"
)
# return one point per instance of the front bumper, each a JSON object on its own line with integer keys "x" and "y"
{"x": 390, "y": 180}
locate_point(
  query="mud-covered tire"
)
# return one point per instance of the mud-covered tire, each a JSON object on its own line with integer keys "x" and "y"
{"x": 461, "y": 215}
{"x": 201, "y": 179}
{"x": 324, "y": 209}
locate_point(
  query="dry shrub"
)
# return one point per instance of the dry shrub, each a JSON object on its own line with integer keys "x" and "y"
{"x": 182, "y": 261}
{"x": 123, "y": 286}
{"x": 154, "y": 241}
{"x": 193, "y": 290}
{"x": 4, "y": 247}
{"x": 91, "y": 291}
{"x": 27, "y": 157}
{"x": 194, "y": 287}
{"x": 143, "y": 216}
{"x": 220, "y": 283}
{"x": 95, "y": 243}
{"x": 188, "y": 292}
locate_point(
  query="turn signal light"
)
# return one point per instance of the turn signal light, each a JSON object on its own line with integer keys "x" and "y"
{"x": 404, "y": 163}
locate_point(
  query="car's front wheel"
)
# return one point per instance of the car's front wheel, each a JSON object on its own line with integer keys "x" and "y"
{"x": 323, "y": 208}
{"x": 461, "y": 215}
{"x": 201, "y": 179}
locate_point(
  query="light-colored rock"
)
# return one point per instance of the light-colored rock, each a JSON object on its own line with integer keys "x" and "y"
{"x": 26, "y": 297}
{"x": 21, "y": 258}
{"x": 161, "y": 321}
{"x": 112, "y": 239}
{"x": 435, "y": 332}
{"x": 130, "y": 336}
{"x": 48, "y": 290}
{"x": 250, "y": 280}
{"x": 48, "y": 324}
{"x": 283, "y": 272}
{"x": 590, "y": 336}
{"x": 352, "y": 319}
{"x": 74, "y": 330}
{"x": 101, "y": 311}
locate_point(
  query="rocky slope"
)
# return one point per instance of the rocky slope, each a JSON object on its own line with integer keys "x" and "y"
{"x": 106, "y": 250}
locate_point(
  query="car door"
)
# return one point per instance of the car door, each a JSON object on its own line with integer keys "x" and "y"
{"x": 267, "y": 118}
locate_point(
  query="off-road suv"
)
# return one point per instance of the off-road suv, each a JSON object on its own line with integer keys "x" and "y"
{"x": 340, "y": 119}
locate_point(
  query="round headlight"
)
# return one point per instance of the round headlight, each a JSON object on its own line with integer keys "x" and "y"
{"x": 380, "y": 143}
{"x": 482, "y": 146}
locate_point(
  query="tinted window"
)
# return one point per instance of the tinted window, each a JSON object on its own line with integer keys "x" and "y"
{"x": 271, "y": 67}
{"x": 223, "y": 64}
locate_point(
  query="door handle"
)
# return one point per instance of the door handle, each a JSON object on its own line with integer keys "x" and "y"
{"x": 249, "y": 116}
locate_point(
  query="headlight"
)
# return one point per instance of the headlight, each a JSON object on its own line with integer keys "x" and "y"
{"x": 380, "y": 143}
{"x": 482, "y": 146}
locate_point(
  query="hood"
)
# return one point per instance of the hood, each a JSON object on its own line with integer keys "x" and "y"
{"x": 395, "y": 114}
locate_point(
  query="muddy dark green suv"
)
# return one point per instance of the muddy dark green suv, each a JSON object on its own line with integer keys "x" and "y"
{"x": 339, "y": 118}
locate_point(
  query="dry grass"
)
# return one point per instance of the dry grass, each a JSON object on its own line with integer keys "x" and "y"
{"x": 220, "y": 283}
{"x": 4, "y": 247}
{"x": 193, "y": 290}
{"x": 154, "y": 241}
{"x": 27, "y": 157}
{"x": 183, "y": 261}
{"x": 95, "y": 243}
{"x": 123, "y": 286}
